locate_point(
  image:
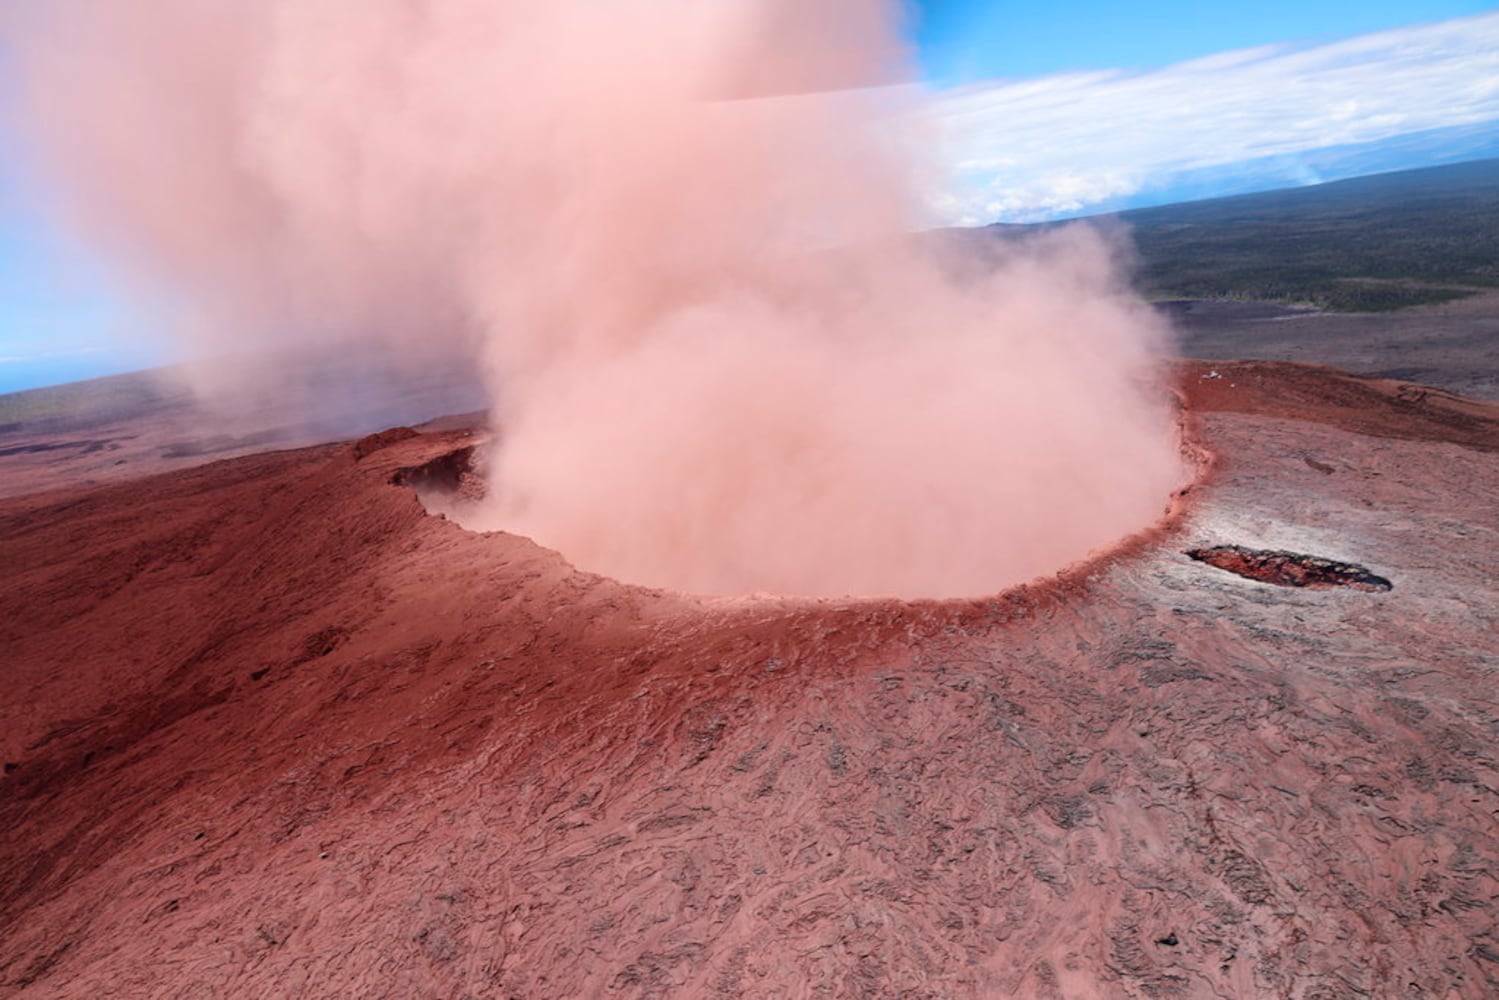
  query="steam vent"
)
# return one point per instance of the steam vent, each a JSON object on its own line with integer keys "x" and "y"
{"x": 273, "y": 730}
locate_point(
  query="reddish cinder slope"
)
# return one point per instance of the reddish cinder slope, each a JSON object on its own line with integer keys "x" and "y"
{"x": 269, "y": 730}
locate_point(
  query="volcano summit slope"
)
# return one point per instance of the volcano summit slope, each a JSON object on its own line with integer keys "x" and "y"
{"x": 271, "y": 730}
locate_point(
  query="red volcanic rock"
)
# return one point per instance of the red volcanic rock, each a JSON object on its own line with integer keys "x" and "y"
{"x": 371, "y": 443}
{"x": 271, "y": 730}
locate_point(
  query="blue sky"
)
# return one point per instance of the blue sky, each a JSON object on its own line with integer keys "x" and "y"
{"x": 1043, "y": 111}
{"x": 1273, "y": 114}
{"x": 961, "y": 41}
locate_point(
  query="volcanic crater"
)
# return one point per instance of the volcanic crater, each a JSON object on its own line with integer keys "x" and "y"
{"x": 452, "y": 486}
{"x": 276, "y": 731}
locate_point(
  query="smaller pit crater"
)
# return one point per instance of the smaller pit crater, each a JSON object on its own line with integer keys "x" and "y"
{"x": 1289, "y": 569}
{"x": 449, "y": 485}
{"x": 454, "y": 474}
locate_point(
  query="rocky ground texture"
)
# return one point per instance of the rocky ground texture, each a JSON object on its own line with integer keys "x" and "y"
{"x": 272, "y": 730}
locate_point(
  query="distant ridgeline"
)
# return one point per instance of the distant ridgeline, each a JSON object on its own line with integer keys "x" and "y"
{"x": 1369, "y": 244}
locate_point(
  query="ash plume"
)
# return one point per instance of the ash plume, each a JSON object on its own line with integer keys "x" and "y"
{"x": 674, "y": 238}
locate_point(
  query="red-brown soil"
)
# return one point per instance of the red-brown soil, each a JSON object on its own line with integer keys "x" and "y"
{"x": 272, "y": 731}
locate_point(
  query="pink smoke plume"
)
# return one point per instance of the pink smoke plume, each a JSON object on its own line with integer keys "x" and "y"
{"x": 675, "y": 236}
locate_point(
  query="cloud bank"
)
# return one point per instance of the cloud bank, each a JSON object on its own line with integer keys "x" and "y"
{"x": 1054, "y": 146}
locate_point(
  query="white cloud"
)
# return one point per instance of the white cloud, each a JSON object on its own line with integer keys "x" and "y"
{"x": 35, "y": 356}
{"x": 1031, "y": 149}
